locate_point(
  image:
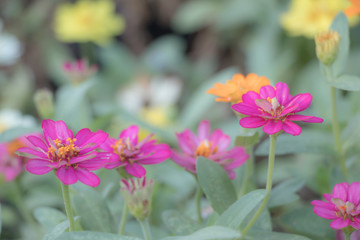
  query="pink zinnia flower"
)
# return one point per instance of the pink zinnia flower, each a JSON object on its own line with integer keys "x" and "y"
{"x": 342, "y": 206}
{"x": 275, "y": 109}
{"x": 132, "y": 154}
{"x": 210, "y": 145}
{"x": 11, "y": 165}
{"x": 73, "y": 158}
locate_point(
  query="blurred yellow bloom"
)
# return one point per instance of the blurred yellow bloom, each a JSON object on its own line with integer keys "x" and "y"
{"x": 309, "y": 17}
{"x": 87, "y": 20}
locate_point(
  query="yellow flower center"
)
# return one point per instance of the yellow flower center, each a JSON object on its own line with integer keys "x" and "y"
{"x": 205, "y": 149}
{"x": 63, "y": 152}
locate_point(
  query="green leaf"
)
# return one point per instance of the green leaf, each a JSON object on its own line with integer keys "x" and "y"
{"x": 341, "y": 25}
{"x": 310, "y": 141}
{"x": 347, "y": 82}
{"x": 178, "y": 223}
{"x": 200, "y": 102}
{"x": 194, "y": 15}
{"x": 93, "y": 210}
{"x": 88, "y": 235}
{"x": 57, "y": 230}
{"x": 275, "y": 236}
{"x": 216, "y": 184}
{"x": 262, "y": 224}
{"x": 304, "y": 221}
{"x": 285, "y": 192}
{"x": 237, "y": 212}
{"x": 209, "y": 233}
{"x": 49, "y": 217}
{"x": 247, "y": 141}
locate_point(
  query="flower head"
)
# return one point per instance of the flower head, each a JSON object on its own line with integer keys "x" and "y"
{"x": 210, "y": 145}
{"x": 132, "y": 154}
{"x": 79, "y": 70}
{"x": 138, "y": 195}
{"x": 73, "y": 158}
{"x": 233, "y": 89}
{"x": 327, "y": 46}
{"x": 275, "y": 109}
{"x": 11, "y": 165}
{"x": 354, "y": 9}
{"x": 342, "y": 206}
{"x": 309, "y": 17}
{"x": 87, "y": 20}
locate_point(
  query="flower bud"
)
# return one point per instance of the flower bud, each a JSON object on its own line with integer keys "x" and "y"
{"x": 137, "y": 193}
{"x": 327, "y": 47}
{"x": 79, "y": 71}
{"x": 44, "y": 102}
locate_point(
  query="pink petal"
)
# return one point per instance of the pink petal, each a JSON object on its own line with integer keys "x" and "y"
{"x": 302, "y": 100}
{"x": 282, "y": 93}
{"x": 272, "y": 127}
{"x": 289, "y": 109}
{"x": 62, "y": 130}
{"x": 327, "y": 196}
{"x": 157, "y": 157}
{"x": 100, "y": 160}
{"x": 87, "y": 178}
{"x": 115, "y": 165}
{"x": 219, "y": 139}
{"x": 341, "y": 191}
{"x": 188, "y": 141}
{"x": 37, "y": 142}
{"x": 246, "y": 109}
{"x": 49, "y": 130}
{"x": 66, "y": 175}
{"x": 298, "y": 117}
{"x": 131, "y": 133}
{"x": 252, "y": 122}
{"x": 106, "y": 146}
{"x": 204, "y": 130}
{"x": 340, "y": 223}
{"x": 314, "y": 120}
{"x": 291, "y": 128}
{"x": 354, "y": 193}
{"x": 90, "y": 140}
{"x": 264, "y": 104}
{"x": 135, "y": 170}
{"x": 31, "y": 153}
{"x": 38, "y": 167}
{"x": 325, "y": 213}
{"x": 323, "y": 204}
{"x": 267, "y": 92}
{"x": 186, "y": 162}
{"x": 250, "y": 97}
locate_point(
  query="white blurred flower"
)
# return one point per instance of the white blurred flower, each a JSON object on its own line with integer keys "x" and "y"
{"x": 11, "y": 118}
{"x": 10, "y": 48}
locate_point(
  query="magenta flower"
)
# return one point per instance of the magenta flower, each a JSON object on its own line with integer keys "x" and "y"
{"x": 132, "y": 154}
{"x": 275, "y": 109}
{"x": 210, "y": 145}
{"x": 73, "y": 158}
{"x": 342, "y": 206}
{"x": 11, "y": 165}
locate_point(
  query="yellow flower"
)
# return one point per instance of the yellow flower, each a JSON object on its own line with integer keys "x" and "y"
{"x": 87, "y": 20}
{"x": 309, "y": 17}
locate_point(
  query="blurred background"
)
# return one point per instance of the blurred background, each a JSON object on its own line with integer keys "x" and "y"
{"x": 106, "y": 64}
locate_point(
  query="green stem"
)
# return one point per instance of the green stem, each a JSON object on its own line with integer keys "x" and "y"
{"x": 198, "y": 197}
{"x": 66, "y": 196}
{"x": 347, "y": 236}
{"x": 145, "y": 228}
{"x": 123, "y": 219}
{"x": 249, "y": 171}
{"x": 335, "y": 125}
{"x": 270, "y": 172}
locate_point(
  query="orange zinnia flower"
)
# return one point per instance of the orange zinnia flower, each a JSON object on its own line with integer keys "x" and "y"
{"x": 233, "y": 89}
{"x": 354, "y": 9}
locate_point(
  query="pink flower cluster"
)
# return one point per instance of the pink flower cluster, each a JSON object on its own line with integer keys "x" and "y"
{"x": 75, "y": 158}
{"x": 342, "y": 206}
{"x": 275, "y": 109}
{"x": 210, "y": 145}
